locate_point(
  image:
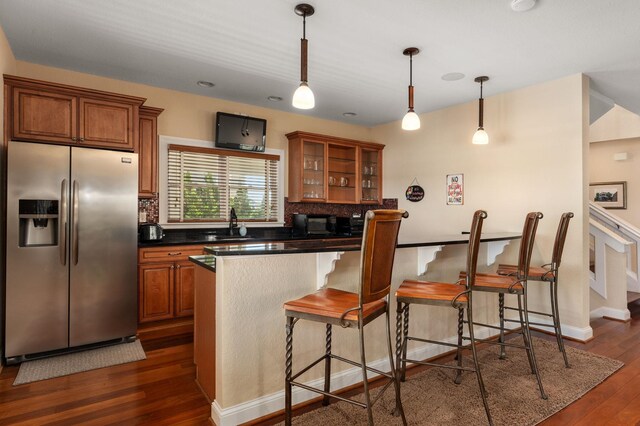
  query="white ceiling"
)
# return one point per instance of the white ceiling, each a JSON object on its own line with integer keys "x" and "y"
{"x": 251, "y": 48}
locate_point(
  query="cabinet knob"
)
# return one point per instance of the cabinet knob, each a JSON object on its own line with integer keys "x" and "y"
{"x": 172, "y": 267}
{"x": 81, "y": 139}
{"x": 74, "y": 139}
{"x": 178, "y": 266}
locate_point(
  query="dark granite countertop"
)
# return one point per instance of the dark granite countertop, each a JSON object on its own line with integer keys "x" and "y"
{"x": 310, "y": 246}
{"x": 174, "y": 237}
{"x": 206, "y": 261}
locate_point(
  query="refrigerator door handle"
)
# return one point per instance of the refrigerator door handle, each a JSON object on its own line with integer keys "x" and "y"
{"x": 63, "y": 221}
{"x": 74, "y": 232}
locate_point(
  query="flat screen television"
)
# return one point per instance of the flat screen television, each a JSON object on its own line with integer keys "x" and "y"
{"x": 240, "y": 132}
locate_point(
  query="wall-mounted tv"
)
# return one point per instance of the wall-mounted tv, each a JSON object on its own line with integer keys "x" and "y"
{"x": 240, "y": 132}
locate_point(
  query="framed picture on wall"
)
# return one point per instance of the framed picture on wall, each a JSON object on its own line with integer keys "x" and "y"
{"x": 610, "y": 195}
{"x": 455, "y": 189}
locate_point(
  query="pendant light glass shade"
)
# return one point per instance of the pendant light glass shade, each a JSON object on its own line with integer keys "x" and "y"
{"x": 411, "y": 121}
{"x": 303, "y": 96}
{"x": 480, "y": 137}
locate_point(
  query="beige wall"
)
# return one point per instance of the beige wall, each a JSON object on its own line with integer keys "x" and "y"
{"x": 603, "y": 168}
{"x": 535, "y": 161}
{"x": 618, "y": 123}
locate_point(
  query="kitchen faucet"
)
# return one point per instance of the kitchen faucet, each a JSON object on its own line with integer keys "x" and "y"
{"x": 232, "y": 217}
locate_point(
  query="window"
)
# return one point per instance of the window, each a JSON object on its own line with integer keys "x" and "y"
{"x": 204, "y": 184}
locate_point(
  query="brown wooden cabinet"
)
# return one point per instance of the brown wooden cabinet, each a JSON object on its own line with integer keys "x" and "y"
{"x": 327, "y": 169}
{"x": 57, "y": 113}
{"x": 147, "y": 148}
{"x": 166, "y": 282}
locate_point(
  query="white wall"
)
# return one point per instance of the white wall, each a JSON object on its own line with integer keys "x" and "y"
{"x": 536, "y": 160}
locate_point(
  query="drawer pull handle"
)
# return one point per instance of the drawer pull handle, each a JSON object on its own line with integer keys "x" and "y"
{"x": 175, "y": 253}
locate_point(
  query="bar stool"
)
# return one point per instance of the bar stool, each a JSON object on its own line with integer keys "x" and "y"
{"x": 514, "y": 284}
{"x": 548, "y": 273}
{"x": 352, "y": 310}
{"x": 457, "y": 296}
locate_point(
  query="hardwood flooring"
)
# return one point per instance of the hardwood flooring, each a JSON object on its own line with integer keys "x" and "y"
{"x": 161, "y": 389}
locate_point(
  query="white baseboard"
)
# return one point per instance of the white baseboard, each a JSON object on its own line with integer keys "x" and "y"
{"x": 268, "y": 404}
{"x": 619, "y": 314}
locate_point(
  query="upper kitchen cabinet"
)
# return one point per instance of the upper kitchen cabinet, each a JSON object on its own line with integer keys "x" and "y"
{"x": 147, "y": 149}
{"x": 328, "y": 169}
{"x": 57, "y": 113}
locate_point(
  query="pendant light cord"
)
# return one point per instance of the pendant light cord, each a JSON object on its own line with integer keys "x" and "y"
{"x": 411, "y": 69}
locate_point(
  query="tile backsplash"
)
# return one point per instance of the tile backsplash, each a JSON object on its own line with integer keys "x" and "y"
{"x": 150, "y": 206}
{"x": 334, "y": 209}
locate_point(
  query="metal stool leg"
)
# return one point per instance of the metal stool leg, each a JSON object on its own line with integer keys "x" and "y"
{"x": 557, "y": 321}
{"x": 288, "y": 366}
{"x": 525, "y": 337}
{"x": 398, "y": 410}
{"x": 399, "y": 339}
{"x": 483, "y": 390}
{"x": 458, "y": 378}
{"x": 363, "y": 362}
{"x": 503, "y": 352}
{"x": 404, "y": 342}
{"x": 327, "y": 366}
{"x": 529, "y": 344}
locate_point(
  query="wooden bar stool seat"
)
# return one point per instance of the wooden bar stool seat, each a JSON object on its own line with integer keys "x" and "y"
{"x": 351, "y": 310}
{"x": 548, "y": 274}
{"x": 453, "y": 295}
{"x": 437, "y": 293}
{"x": 329, "y": 306}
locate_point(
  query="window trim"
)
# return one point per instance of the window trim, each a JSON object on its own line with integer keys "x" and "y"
{"x": 195, "y": 145}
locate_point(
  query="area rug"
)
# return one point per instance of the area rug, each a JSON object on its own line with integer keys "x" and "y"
{"x": 431, "y": 397}
{"x": 63, "y": 365}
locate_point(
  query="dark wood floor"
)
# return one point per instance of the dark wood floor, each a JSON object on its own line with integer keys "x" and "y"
{"x": 161, "y": 391}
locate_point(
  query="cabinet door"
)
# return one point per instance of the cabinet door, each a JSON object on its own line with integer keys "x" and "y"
{"x": 107, "y": 124}
{"x": 370, "y": 176}
{"x": 44, "y": 116}
{"x": 343, "y": 185}
{"x": 156, "y": 287}
{"x": 184, "y": 288}
{"x": 147, "y": 150}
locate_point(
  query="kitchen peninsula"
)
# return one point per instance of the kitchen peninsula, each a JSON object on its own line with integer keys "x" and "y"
{"x": 239, "y": 321}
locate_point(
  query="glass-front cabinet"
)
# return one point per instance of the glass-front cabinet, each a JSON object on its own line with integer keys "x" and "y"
{"x": 370, "y": 176}
{"x": 327, "y": 169}
{"x": 342, "y": 178}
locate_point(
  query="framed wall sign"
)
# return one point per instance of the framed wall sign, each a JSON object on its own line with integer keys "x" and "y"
{"x": 414, "y": 191}
{"x": 610, "y": 195}
{"x": 455, "y": 189}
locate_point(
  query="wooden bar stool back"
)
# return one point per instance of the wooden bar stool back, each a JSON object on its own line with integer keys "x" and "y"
{"x": 457, "y": 296}
{"x": 351, "y": 310}
{"x": 548, "y": 273}
{"x": 515, "y": 284}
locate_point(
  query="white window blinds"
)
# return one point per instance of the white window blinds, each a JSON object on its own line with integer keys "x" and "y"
{"x": 204, "y": 184}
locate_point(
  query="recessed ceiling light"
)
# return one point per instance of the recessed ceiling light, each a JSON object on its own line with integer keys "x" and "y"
{"x": 203, "y": 83}
{"x": 274, "y": 98}
{"x": 522, "y": 5}
{"x": 349, "y": 114}
{"x": 452, "y": 76}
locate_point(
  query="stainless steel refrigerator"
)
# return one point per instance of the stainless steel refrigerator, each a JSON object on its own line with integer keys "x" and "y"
{"x": 71, "y": 248}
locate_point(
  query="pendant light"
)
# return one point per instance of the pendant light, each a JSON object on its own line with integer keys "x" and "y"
{"x": 411, "y": 121}
{"x": 303, "y": 97}
{"x": 480, "y": 137}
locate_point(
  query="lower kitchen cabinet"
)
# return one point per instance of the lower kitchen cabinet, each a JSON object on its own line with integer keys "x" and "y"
{"x": 156, "y": 292}
{"x": 166, "y": 282}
